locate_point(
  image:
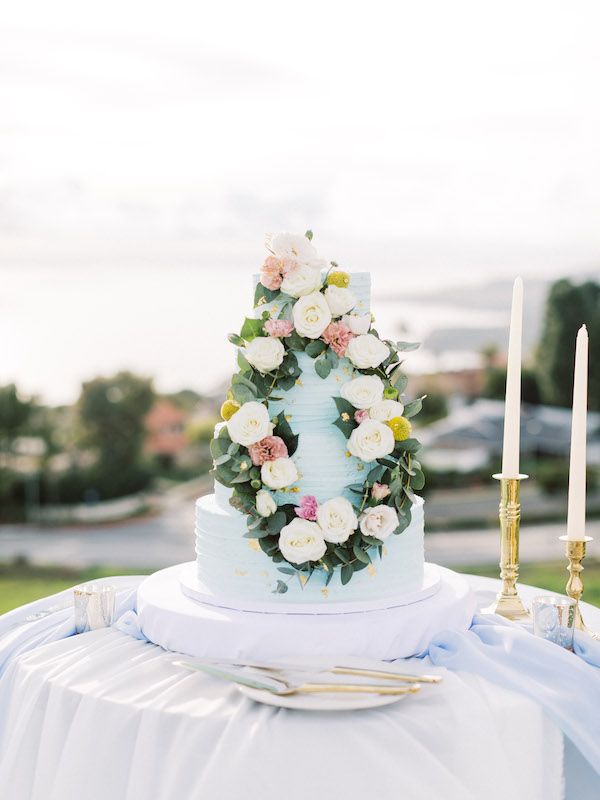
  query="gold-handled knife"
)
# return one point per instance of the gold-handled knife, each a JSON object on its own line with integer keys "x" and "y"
{"x": 280, "y": 687}
{"x": 362, "y": 672}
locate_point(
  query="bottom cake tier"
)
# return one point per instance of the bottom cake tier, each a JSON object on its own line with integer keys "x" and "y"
{"x": 232, "y": 566}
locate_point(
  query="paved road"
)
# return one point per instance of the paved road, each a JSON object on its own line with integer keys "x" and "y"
{"x": 168, "y": 538}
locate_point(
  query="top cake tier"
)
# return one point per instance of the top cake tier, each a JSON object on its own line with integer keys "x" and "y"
{"x": 324, "y": 465}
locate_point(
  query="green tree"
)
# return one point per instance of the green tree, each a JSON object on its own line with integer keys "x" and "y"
{"x": 495, "y": 385}
{"x": 568, "y": 307}
{"x": 111, "y": 414}
{"x": 14, "y": 415}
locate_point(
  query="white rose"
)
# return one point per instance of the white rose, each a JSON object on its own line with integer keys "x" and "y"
{"x": 371, "y": 440}
{"x": 367, "y": 351}
{"x": 292, "y": 245}
{"x": 302, "y": 279}
{"x": 337, "y": 519}
{"x": 363, "y": 392}
{"x": 358, "y": 323}
{"x": 279, "y": 473}
{"x": 339, "y": 299}
{"x": 311, "y": 315}
{"x": 379, "y": 521}
{"x": 265, "y": 505}
{"x": 250, "y": 424}
{"x": 301, "y": 541}
{"x": 385, "y": 410}
{"x": 265, "y": 353}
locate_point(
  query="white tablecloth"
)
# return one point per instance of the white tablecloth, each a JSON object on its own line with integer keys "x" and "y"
{"x": 103, "y": 715}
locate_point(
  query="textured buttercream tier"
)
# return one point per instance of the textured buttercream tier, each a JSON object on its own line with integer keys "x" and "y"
{"x": 232, "y": 566}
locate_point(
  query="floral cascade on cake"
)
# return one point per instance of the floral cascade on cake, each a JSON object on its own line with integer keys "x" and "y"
{"x": 315, "y": 463}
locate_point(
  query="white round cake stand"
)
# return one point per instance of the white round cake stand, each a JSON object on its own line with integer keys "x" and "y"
{"x": 180, "y": 624}
{"x": 192, "y": 587}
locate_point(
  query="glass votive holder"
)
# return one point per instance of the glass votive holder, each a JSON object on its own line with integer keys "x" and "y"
{"x": 554, "y": 619}
{"x": 94, "y": 607}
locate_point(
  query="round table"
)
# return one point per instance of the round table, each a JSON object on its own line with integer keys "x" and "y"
{"x": 103, "y": 715}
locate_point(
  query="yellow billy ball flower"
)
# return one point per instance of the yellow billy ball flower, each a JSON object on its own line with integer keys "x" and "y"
{"x": 228, "y": 409}
{"x": 338, "y": 278}
{"x": 401, "y": 428}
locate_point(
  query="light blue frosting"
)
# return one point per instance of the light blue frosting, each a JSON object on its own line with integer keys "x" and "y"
{"x": 231, "y": 566}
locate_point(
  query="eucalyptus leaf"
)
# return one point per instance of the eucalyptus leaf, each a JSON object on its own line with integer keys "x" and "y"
{"x": 235, "y": 339}
{"x": 346, "y": 573}
{"x": 342, "y": 554}
{"x": 407, "y": 347}
{"x": 362, "y": 555}
{"x": 276, "y": 522}
{"x": 281, "y": 588}
{"x": 315, "y": 347}
{"x": 252, "y": 328}
{"x": 412, "y": 409}
{"x": 322, "y": 367}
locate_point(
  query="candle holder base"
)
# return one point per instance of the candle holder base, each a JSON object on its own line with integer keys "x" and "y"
{"x": 508, "y": 604}
{"x": 575, "y": 552}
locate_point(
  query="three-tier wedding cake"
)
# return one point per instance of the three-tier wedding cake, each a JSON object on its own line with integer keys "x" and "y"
{"x": 314, "y": 462}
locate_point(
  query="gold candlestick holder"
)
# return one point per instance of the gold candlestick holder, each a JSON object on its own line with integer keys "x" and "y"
{"x": 575, "y": 552}
{"x": 508, "y": 604}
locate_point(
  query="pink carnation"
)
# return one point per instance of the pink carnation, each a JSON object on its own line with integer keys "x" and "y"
{"x": 360, "y": 415}
{"x": 337, "y": 335}
{"x": 307, "y": 508}
{"x": 268, "y": 449}
{"x": 273, "y": 270}
{"x": 379, "y": 491}
{"x": 278, "y": 327}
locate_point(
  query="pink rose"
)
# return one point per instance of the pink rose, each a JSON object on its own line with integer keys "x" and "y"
{"x": 307, "y": 508}
{"x": 360, "y": 415}
{"x": 379, "y": 491}
{"x": 278, "y": 327}
{"x": 338, "y": 336}
{"x": 273, "y": 270}
{"x": 268, "y": 449}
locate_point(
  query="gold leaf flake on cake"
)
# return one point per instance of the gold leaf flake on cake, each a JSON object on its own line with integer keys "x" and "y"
{"x": 338, "y": 378}
{"x": 254, "y": 545}
{"x": 371, "y": 570}
{"x": 299, "y": 382}
{"x": 303, "y": 579}
{"x": 325, "y": 593}
{"x": 360, "y": 466}
{"x": 241, "y": 573}
{"x": 264, "y": 573}
{"x": 288, "y": 417}
{"x": 385, "y": 551}
{"x": 348, "y": 454}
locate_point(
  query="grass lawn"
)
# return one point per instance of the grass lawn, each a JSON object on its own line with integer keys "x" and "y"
{"x": 552, "y": 576}
{"x": 21, "y": 583}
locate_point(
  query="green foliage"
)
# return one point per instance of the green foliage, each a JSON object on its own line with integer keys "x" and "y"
{"x": 495, "y": 385}
{"x": 567, "y": 308}
{"x": 111, "y": 415}
{"x": 14, "y": 415}
{"x": 252, "y": 328}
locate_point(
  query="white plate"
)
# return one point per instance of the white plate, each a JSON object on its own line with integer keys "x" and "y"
{"x": 333, "y": 701}
{"x": 321, "y": 702}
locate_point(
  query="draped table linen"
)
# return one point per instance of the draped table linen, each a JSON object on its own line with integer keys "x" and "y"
{"x": 105, "y": 715}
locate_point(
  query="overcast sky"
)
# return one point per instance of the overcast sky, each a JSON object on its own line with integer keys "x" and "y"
{"x": 440, "y": 140}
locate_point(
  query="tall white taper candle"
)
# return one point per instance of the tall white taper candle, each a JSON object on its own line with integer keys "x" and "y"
{"x": 512, "y": 408}
{"x": 577, "y": 468}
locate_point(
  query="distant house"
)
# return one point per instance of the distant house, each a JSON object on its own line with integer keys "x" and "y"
{"x": 471, "y": 436}
{"x": 165, "y": 430}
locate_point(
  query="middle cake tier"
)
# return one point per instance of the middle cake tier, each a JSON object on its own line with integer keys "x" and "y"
{"x": 324, "y": 464}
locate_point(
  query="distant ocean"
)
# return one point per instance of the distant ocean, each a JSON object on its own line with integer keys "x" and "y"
{"x": 60, "y": 325}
